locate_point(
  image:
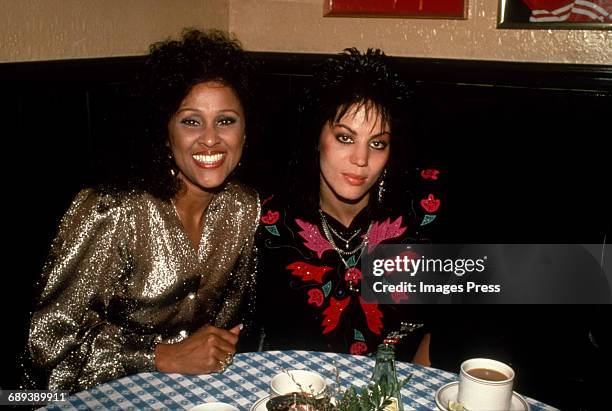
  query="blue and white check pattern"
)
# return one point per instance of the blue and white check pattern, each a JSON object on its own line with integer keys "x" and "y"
{"x": 248, "y": 379}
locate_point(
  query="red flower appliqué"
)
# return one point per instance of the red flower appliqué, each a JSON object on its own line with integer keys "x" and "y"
{"x": 430, "y": 204}
{"x": 315, "y": 297}
{"x": 270, "y": 218}
{"x": 332, "y": 314}
{"x": 352, "y": 275}
{"x": 358, "y": 348}
{"x": 430, "y": 174}
{"x": 308, "y": 272}
{"x": 373, "y": 316}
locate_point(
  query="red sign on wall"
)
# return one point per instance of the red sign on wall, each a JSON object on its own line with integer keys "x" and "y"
{"x": 437, "y": 9}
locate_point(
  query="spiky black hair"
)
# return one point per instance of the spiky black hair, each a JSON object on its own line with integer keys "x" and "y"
{"x": 339, "y": 84}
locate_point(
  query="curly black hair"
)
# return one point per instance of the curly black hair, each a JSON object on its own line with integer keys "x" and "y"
{"x": 350, "y": 79}
{"x": 171, "y": 70}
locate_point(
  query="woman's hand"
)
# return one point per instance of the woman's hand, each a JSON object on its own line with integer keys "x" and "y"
{"x": 205, "y": 351}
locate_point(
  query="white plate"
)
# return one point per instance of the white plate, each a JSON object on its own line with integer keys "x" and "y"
{"x": 260, "y": 404}
{"x": 449, "y": 392}
{"x": 214, "y": 406}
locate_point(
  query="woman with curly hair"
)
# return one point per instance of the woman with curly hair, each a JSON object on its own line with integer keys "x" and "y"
{"x": 157, "y": 274}
{"x": 349, "y": 193}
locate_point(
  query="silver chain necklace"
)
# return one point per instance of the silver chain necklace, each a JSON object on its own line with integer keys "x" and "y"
{"x": 327, "y": 229}
{"x": 349, "y": 253}
{"x": 346, "y": 240}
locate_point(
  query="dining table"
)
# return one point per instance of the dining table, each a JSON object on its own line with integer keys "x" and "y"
{"x": 246, "y": 381}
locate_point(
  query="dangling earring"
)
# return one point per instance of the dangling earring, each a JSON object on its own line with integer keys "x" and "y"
{"x": 173, "y": 172}
{"x": 381, "y": 186}
{"x": 239, "y": 165}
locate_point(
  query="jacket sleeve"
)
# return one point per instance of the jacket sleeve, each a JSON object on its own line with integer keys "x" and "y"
{"x": 239, "y": 304}
{"x": 71, "y": 341}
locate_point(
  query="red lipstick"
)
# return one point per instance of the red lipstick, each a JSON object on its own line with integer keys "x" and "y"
{"x": 354, "y": 179}
{"x": 209, "y": 158}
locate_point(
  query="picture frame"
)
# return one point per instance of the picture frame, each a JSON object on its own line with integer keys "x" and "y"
{"x": 424, "y": 9}
{"x": 555, "y": 14}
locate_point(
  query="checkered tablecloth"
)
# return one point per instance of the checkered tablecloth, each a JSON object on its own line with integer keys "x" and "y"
{"x": 247, "y": 380}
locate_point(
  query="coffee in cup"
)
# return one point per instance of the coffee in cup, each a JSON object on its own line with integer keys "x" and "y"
{"x": 485, "y": 384}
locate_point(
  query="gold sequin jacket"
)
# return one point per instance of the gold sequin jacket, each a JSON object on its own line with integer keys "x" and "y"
{"x": 123, "y": 276}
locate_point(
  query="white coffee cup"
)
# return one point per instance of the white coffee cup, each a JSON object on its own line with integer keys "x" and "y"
{"x": 291, "y": 381}
{"x": 485, "y": 384}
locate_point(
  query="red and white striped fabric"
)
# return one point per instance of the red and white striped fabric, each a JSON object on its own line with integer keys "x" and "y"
{"x": 570, "y": 10}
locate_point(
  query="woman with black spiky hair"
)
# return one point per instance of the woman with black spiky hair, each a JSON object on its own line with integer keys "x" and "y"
{"x": 157, "y": 273}
{"x": 348, "y": 193}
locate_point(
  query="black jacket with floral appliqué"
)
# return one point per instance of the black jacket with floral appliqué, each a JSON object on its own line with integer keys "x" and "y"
{"x": 309, "y": 294}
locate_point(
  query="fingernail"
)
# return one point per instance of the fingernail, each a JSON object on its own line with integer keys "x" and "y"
{"x": 240, "y": 326}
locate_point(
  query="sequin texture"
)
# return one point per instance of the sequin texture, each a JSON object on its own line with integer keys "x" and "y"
{"x": 123, "y": 276}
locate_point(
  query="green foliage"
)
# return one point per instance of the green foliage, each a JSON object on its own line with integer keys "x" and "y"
{"x": 373, "y": 397}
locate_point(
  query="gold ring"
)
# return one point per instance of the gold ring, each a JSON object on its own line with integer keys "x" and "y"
{"x": 229, "y": 359}
{"x": 223, "y": 366}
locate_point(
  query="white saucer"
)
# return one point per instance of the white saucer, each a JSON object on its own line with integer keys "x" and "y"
{"x": 449, "y": 392}
{"x": 214, "y": 406}
{"x": 260, "y": 404}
